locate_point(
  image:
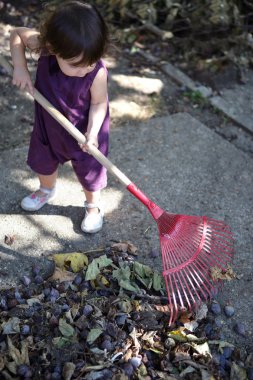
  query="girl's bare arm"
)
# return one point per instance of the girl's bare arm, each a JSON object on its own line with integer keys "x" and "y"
{"x": 98, "y": 105}
{"x": 98, "y": 108}
{"x": 20, "y": 40}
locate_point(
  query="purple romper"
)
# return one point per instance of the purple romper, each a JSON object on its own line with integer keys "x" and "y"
{"x": 50, "y": 143}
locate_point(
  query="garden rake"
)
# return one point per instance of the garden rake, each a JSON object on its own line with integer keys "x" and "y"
{"x": 190, "y": 245}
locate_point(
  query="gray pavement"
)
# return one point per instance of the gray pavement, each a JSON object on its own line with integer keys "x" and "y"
{"x": 179, "y": 163}
{"x": 237, "y": 103}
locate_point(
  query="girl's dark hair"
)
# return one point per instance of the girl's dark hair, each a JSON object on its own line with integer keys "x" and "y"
{"x": 73, "y": 29}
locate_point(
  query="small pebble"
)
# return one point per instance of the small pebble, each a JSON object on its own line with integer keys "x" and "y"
{"x": 26, "y": 280}
{"x": 169, "y": 342}
{"x": 240, "y": 328}
{"x": 56, "y": 376}
{"x": 222, "y": 361}
{"x": 214, "y": 292}
{"x": 78, "y": 279}
{"x": 227, "y": 352}
{"x": 154, "y": 253}
{"x": 107, "y": 345}
{"x": 36, "y": 269}
{"x": 229, "y": 311}
{"x": 135, "y": 361}
{"x": 128, "y": 369}
{"x": 250, "y": 374}
{"x": 22, "y": 369}
{"x": 87, "y": 310}
{"x": 25, "y": 330}
{"x": 65, "y": 307}
{"x": 216, "y": 358}
{"x": 121, "y": 319}
{"x": 215, "y": 308}
{"x": 227, "y": 364}
{"x": 218, "y": 322}
{"x": 38, "y": 279}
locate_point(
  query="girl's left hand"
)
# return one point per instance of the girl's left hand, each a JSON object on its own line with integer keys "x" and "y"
{"x": 90, "y": 140}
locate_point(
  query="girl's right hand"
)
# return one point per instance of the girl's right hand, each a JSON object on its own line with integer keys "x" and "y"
{"x": 21, "y": 78}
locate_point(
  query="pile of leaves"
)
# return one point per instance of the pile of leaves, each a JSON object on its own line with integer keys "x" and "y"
{"x": 199, "y": 29}
{"x": 200, "y": 37}
{"x": 105, "y": 316}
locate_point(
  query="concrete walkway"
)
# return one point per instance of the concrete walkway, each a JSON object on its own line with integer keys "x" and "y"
{"x": 178, "y": 162}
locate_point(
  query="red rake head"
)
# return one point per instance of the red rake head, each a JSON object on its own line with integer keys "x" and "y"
{"x": 190, "y": 246}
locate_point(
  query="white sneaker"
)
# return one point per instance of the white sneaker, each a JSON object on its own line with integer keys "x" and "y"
{"x": 34, "y": 202}
{"x": 92, "y": 222}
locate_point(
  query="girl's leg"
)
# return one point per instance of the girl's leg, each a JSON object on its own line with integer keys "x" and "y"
{"x": 92, "y": 197}
{"x": 47, "y": 181}
{"x": 93, "y": 220}
{"x": 46, "y": 193}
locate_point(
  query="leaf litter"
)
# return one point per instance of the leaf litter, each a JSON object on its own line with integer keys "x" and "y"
{"x": 105, "y": 316}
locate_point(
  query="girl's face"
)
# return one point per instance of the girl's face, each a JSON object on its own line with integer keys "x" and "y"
{"x": 68, "y": 67}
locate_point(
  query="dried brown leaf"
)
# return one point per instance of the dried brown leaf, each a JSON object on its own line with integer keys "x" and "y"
{"x": 162, "y": 308}
{"x": 1, "y": 363}
{"x": 219, "y": 274}
{"x": 125, "y": 246}
{"x": 62, "y": 275}
{"x": 19, "y": 357}
{"x": 9, "y": 239}
{"x": 185, "y": 317}
{"x": 68, "y": 370}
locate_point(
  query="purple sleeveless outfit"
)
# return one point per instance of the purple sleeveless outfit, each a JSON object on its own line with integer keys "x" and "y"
{"x": 50, "y": 143}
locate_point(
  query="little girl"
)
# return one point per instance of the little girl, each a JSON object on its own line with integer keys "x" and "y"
{"x": 72, "y": 76}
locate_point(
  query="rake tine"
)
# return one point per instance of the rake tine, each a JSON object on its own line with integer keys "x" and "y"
{"x": 217, "y": 258}
{"x": 184, "y": 275}
{"x": 175, "y": 303}
{"x": 204, "y": 282}
{"x": 219, "y": 254}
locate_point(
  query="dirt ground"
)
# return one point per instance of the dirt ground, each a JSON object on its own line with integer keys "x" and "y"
{"x": 17, "y": 113}
{"x": 127, "y": 103}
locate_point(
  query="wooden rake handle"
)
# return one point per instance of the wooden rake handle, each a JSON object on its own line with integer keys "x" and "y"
{"x": 73, "y": 131}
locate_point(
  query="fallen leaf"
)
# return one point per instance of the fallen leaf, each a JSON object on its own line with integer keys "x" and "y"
{"x": 19, "y": 357}
{"x": 237, "y": 372}
{"x": 75, "y": 260}
{"x": 162, "y": 308}
{"x": 202, "y": 349}
{"x": 9, "y": 239}
{"x": 61, "y": 341}
{"x": 178, "y": 335}
{"x": 33, "y": 301}
{"x": 62, "y": 275}
{"x": 221, "y": 344}
{"x": 191, "y": 326}
{"x": 137, "y": 344}
{"x": 219, "y": 274}
{"x": 93, "y": 335}
{"x": 121, "y": 247}
{"x": 11, "y": 326}
{"x": 66, "y": 329}
{"x": 68, "y": 370}
{"x": 185, "y": 317}
{"x": 206, "y": 375}
{"x": 201, "y": 312}
{"x": 125, "y": 247}
{"x": 95, "y": 267}
{"x": 158, "y": 281}
{"x": 187, "y": 370}
{"x": 142, "y": 270}
{"x": 1, "y": 363}
{"x": 125, "y": 306}
{"x": 123, "y": 276}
